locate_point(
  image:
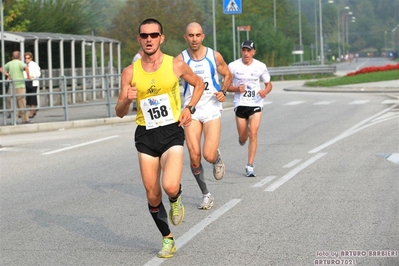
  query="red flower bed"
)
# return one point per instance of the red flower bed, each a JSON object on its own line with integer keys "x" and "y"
{"x": 373, "y": 69}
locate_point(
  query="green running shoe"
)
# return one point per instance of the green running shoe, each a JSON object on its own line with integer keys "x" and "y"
{"x": 168, "y": 248}
{"x": 176, "y": 213}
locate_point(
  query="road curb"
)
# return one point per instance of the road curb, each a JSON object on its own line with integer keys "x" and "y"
{"x": 62, "y": 125}
{"x": 345, "y": 89}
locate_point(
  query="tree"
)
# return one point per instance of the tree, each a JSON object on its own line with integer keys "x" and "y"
{"x": 274, "y": 47}
{"x": 56, "y": 16}
{"x": 13, "y": 18}
{"x": 173, "y": 14}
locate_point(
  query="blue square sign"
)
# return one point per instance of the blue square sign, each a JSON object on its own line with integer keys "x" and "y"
{"x": 231, "y": 7}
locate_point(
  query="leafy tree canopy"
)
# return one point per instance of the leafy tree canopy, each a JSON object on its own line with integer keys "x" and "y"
{"x": 119, "y": 19}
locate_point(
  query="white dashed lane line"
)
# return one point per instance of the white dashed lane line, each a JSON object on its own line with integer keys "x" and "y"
{"x": 293, "y": 172}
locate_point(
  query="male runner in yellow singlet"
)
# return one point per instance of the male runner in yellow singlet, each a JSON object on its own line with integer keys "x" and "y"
{"x": 153, "y": 81}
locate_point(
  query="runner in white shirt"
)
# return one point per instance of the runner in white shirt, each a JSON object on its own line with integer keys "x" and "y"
{"x": 207, "y": 64}
{"x": 248, "y": 98}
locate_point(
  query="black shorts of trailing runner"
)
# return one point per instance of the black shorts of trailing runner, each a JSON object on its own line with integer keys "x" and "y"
{"x": 156, "y": 141}
{"x": 247, "y": 111}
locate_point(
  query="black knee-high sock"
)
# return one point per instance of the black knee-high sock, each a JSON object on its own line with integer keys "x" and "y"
{"x": 199, "y": 176}
{"x": 174, "y": 199}
{"x": 160, "y": 217}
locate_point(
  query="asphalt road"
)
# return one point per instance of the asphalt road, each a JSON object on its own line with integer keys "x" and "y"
{"x": 327, "y": 181}
{"x": 326, "y": 191}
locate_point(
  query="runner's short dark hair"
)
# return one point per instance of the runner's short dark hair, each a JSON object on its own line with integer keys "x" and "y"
{"x": 151, "y": 21}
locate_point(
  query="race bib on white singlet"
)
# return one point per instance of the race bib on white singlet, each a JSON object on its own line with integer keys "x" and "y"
{"x": 157, "y": 111}
{"x": 250, "y": 94}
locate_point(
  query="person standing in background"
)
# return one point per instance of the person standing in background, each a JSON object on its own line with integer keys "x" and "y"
{"x": 32, "y": 83}
{"x": 248, "y": 98}
{"x": 15, "y": 68}
{"x": 207, "y": 64}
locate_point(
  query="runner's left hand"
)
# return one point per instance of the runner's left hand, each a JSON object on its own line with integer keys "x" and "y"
{"x": 220, "y": 96}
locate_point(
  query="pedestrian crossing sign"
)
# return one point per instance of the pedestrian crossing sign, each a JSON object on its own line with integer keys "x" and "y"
{"x": 231, "y": 7}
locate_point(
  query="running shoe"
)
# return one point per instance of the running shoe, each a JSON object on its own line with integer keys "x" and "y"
{"x": 219, "y": 167}
{"x": 249, "y": 170}
{"x": 207, "y": 202}
{"x": 176, "y": 213}
{"x": 168, "y": 248}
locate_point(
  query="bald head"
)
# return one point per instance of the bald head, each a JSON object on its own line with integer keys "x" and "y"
{"x": 193, "y": 26}
{"x": 194, "y": 37}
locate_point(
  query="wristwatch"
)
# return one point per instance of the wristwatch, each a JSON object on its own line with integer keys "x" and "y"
{"x": 191, "y": 108}
{"x": 224, "y": 92}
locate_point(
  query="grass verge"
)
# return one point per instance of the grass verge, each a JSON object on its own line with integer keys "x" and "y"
{"x": 362, "y": 78}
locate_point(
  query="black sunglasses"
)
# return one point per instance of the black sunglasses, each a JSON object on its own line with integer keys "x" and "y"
{"x": 152, "y": 34}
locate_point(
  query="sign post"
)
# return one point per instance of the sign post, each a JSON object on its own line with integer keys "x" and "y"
{"x": 232, "y": 7}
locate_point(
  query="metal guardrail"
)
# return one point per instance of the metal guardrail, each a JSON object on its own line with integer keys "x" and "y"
{"x": 82, "y": 93}
{"x": 64, "y": 96}
{"x": 298, "y": 70}
{"x": 77, "y": 73}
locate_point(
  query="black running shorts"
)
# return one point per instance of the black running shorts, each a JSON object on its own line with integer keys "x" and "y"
{"x": 247, "y": 111}
{"x": 156, "y": 141}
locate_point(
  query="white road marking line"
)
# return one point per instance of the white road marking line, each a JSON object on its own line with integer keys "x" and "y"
{"x": 293, "y": 172}
{"x": 390, "y": 101}
{"x": 264, "y": 181}
{"x": 394, "y": 157}
{"x": 266, "y": 102}
{"x": 359, "y": 102}
{"x": 79, "y": 145}
{"x": 351, "y": 131}
{"x": 190, "y": 234}
{"x": 324, "y": 103}
{"x": 294, "y": 103}
{"x": 291, "y": 164}
{"x": 385, "y": 116}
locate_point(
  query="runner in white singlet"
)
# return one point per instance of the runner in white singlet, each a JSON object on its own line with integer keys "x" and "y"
{"x": 207, "y": 64}
{"x": 248, "y": 73}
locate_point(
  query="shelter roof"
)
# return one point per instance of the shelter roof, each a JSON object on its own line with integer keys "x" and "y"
{"x": 45, "y": 36}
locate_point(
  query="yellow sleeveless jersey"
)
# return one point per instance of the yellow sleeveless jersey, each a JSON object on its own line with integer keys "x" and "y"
{"x": 154, "y": 88}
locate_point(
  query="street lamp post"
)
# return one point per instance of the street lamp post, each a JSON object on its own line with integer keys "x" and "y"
{"x": 392, "y": 38}
{"x": 214, "y": 24}
{"x": 339, "y": 33}
{"x": 315, "y": 29}
{"x": 321, "y": 35}
{"x": 346, "y": 32}
{"x": 300, "y": 30}
{"x": 321, "y": 32}
{"x": 385, "y": 43}
{"x": 275, "y": 21}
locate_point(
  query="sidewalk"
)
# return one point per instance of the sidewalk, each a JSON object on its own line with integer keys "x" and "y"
{"x": 97, "y": 115}
{"x": 391, "y": 86}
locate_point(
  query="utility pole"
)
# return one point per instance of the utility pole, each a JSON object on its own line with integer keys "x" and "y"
{"x": 214, "y": 25}
{"x": 275, "y": 21}
{"x": 300, "y": 30}
{"x": 321, "y": 35}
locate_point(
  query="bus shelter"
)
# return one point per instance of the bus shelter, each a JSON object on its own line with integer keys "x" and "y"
{"x": 86, "y": 52}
